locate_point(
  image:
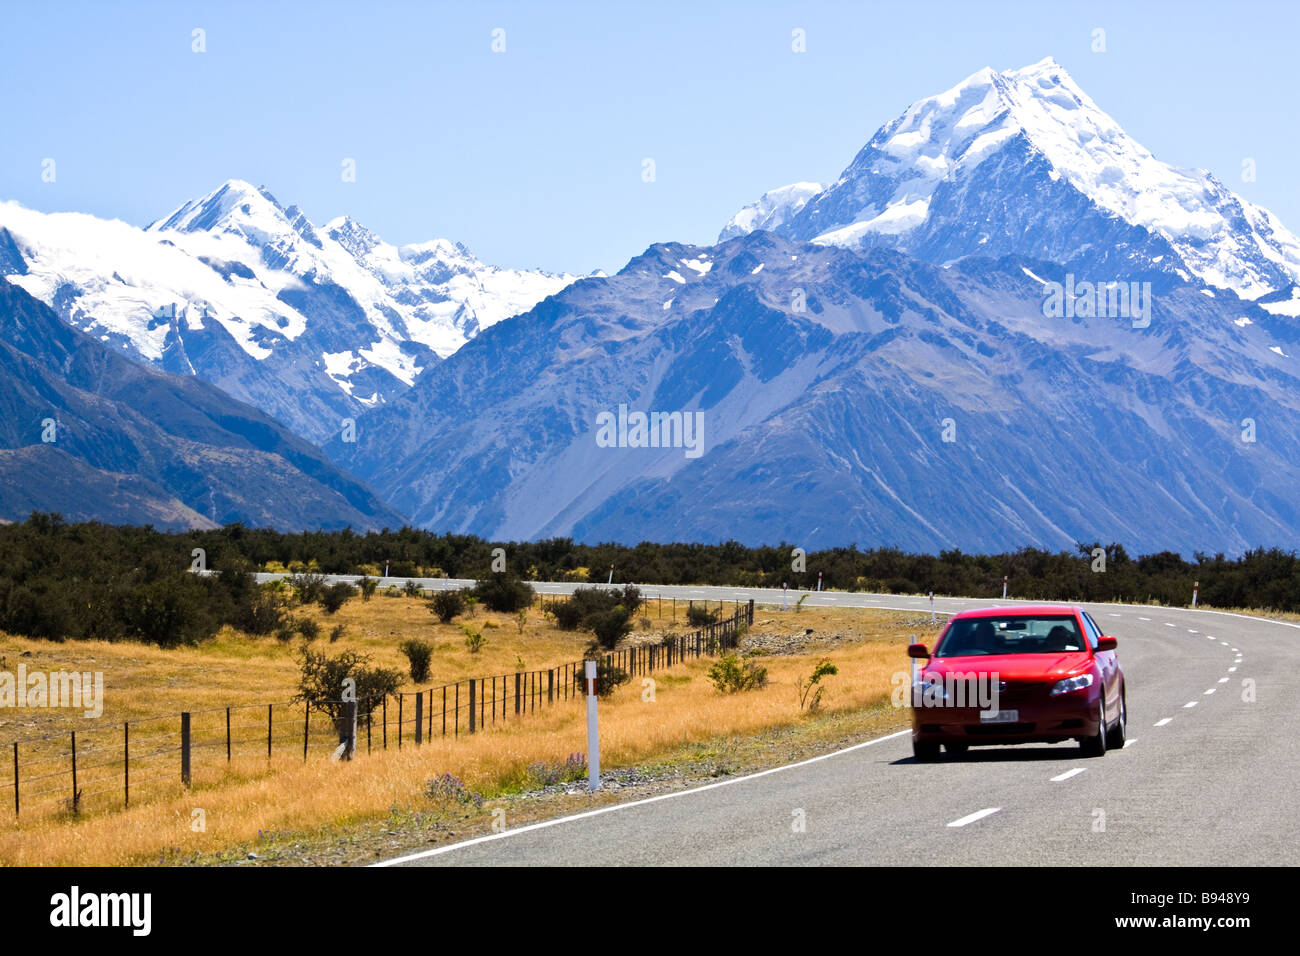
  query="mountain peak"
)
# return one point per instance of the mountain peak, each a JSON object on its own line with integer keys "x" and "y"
{"x": 1011, "y": 163}
{"x": 235, "y": 203}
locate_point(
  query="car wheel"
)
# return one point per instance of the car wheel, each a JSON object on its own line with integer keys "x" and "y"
{"x": 924, "y": 751}
{"x": 1119, "y": 732}
{"x": 1095, "y": 746}
{"x": 956, "y": 750}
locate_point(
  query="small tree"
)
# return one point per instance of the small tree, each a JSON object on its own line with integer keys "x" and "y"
{"x": 445, "y": 605}
{"x": 610, "y": 626}
{"x": 731, "y": 675}
{"x": 474, "y": 639}
{"x": 308, "y": 586}
{"x": 321, "y": 682}
{"x": 824, "y": 668}
{"x": 335, "y": 596}
{"x": 521, "y": 619}
{"x": 368, "y": 586}
{"x": 503, "y": 592}
{"x": 418, "y": 654}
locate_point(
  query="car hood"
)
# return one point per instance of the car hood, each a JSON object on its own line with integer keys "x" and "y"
{"x": 1050, "y": 666}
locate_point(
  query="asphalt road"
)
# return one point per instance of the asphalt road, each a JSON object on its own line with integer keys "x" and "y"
{"x": 1208, "y": 777}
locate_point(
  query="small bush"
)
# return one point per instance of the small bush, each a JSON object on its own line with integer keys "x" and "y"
{"x": 368, "y": 586}
{"x": 309, "y": 628}
{"x": 474, "y": 639}
{"x": 731, "y": 674}
{"x": 411, "y": 589}
{"x": 610, "y": 626}
{"x": 445, "y": 605}
{"x": 336, "y": 632}
{"x": 567, "y": 615}
{"x": 418, "y": 654}
{"x": 521, "y": 619}
{"x": 609, "y": 676}
{"x": 308, "y": 587}
{"x": 335, "y": 596}
{"x": 700, "y": 616}
{"x": 506, "y": 593}
{"x": 812, "y": 688}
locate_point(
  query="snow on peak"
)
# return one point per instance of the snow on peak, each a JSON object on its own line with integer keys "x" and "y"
{"x": 887, "y": 193}
{"x": 771, "y": 209}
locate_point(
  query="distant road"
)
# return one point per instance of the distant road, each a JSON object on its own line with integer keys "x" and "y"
{"x": 1208, "y": 778}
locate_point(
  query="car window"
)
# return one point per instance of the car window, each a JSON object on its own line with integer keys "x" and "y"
{"x": 1091, "y": 629}
{"x": 1011, "y": 634}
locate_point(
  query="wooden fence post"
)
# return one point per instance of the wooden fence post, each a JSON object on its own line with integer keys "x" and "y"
{"x": 269, "y": 708}
{"x": 126, "y": 764}
{"x": 76, "y": 795}
{"x": 473, "y": 713}
{"x": 185, "y": 749}
{"x": 419, "y": 718}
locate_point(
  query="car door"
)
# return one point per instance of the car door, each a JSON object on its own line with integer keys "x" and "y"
{"x": 1107, "y": 662}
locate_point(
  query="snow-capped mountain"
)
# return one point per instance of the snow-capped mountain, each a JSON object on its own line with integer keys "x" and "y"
{"x": 1023, "y": 162}
{"x": 309, "y": 324}
{"x": 853, "y": 396}
{"x": 773, "y": 208}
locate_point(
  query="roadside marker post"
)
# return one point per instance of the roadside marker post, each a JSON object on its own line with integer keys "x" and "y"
{"x": 593, "y": 730}
{"x": 932, "y": 617}
{"x": 1004, "y": 587}
{"x": 1196, "y": 587}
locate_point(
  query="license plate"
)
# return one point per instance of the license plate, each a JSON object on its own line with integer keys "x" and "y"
{"x": 999, "y": 716}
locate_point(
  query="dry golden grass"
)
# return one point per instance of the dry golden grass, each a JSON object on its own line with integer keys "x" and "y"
{"x": 252, "y": 795}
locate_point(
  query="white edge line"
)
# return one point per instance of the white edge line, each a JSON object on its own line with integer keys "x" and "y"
{"x": 542, "y": 825}
{"x": 1068, "y": 774}
{"x": 972, "y": 817}
{"x": 1163, "y": 720}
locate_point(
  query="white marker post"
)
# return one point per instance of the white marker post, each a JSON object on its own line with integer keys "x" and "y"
{"x": 1196, "y": 587}
{"x": 819, "y": 580}
{"x": 1004, "y": 587}
{"x": 785, "y": 596}
{"x": 611, "y": 574}
{"x": 593, "y": 729}
{"x": 932, "y": 617}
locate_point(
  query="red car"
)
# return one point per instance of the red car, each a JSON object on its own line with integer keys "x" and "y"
{"x": 1016, "y": 675}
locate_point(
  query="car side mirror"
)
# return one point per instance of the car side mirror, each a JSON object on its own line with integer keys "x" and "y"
{"x": 1106, "y": 644}
{"x": 918, "y": 650}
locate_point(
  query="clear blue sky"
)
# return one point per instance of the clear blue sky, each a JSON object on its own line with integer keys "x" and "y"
{"x": 532, "y": 157}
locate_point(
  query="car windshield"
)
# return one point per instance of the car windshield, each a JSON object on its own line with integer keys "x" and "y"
{"x": 1013, "y": 634}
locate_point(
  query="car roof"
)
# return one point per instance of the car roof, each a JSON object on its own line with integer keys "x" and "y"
{"x": 1005, "y": 609}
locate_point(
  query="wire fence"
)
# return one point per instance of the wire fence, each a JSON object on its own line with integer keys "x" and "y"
{"x": 113, "y": 766}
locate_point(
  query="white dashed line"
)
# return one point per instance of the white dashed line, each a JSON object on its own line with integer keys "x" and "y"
{"x": 1192, "y": 631}
{"x": 1232, "y": 670}
{"x": 1162, "y": 721}
{"x": 972, "y": 817}
{"x": 1208, "y": 692}
{"x": 1222, "y": 680}
{"x": 1068, "y": 774}
{"x": 1129, "y": 743}
{"x": 1169, "y": 624}
{"x": 1190, "y": 703}
{"x": 1144, "y": 618}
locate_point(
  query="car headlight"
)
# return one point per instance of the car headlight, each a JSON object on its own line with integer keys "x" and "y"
{"x": 1071, "y": 684}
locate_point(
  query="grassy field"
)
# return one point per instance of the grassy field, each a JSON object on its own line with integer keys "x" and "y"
{"x": 237, "y": 802}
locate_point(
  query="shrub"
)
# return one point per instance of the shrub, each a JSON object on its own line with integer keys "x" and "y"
{"x": 700, "y": 616}
{"x": 308, "y": 586}
{"x": 506, "y": 593}
{"x": 320, "y": 684}
{"x": 336, "y": 632}
{"x": 471, "y": 604}
{"x": 521, "y": 619}
{"x": 474, "y": 639}
{"x": 609, "y": 676}
{"x": 547, "y": 774}
{"x": 731, "y": 675}
{"x": 445, "y": 605}
{"x": 368, "y": 586}
{"x": 411, "y": 589}
{"x": 824, "y": 668}
{"x": 335, "y": 596}
{"x": 308, "y": 628}
{"x": 418, "y": 654}
{"x": 610, "y": 626}
{"x": 567, "y": 615}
